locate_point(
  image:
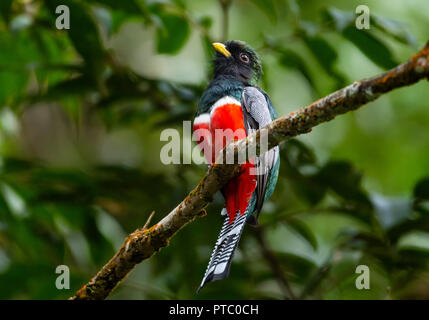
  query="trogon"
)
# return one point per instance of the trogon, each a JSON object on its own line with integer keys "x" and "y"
{"x": 233, "y": 103}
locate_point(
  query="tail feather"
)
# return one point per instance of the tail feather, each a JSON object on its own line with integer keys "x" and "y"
{"x": 223, "y": 251}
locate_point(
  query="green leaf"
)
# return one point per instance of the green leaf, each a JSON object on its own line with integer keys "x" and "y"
{"x": 326, "y": 55}
{"x": 309, "y": 190}
{"x": 344, "y": 180}
{"x": 391, "y": 211}
{"x": 129, "y": 6}
{"x": 421, "y": 196}
{"x": 118, "y": 18}
{"x": 16, "y": 54}
{"x": 371, "y": 47}
{"x": 12, "y": 165}
{"x": 413, "y": 258}
{"x": 12, "y": 86}
{"x": 341, "y": 19}
{"x": 322, "y": 50}
{"x": 299, "y": 166}
{"x": 122, "y": 11}
{"x": 67, "y": 88}
{"x": 417, "y": 240}
{"x": 206, "y": 22}
{"x": 303, "y": 230}
{"x": 299, "y": 268}
{"x": 84, "y": 34}
{"x": 394, "y": 29}
{"x": 207, "y": 46}
{"x": 175, "y": 118}
{"x": 5, "y": 9}
{"x": 294, "y": 7}
{"x": 171, "y": 37}
{"x": 413, "y": 249}
{"x": 359, "y": 239}
{"x": 413, "y": 223}
{"x": 421, "y": 190}
{"x": 298, "y": 153}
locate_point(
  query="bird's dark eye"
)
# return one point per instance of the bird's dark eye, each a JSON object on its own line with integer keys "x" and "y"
{"x": 244, "y": 57}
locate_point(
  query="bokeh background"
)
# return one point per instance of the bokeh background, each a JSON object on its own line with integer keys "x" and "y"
{"x": 81, "y": 112}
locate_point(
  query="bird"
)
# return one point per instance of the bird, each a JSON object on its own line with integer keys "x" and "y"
{"x": 232, "y": 102}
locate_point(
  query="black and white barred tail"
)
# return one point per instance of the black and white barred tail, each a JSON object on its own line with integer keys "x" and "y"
{"x": 223, "y": 251}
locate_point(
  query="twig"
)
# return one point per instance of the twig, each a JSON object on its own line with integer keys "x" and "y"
{"x": 292, "y": 214}
{"x": 148, "y": 220}
{"x": 315, "y": 280}
{"x": 225, "y": 5}
{"x": 142, "y": 244}
{"x": 273, "y": 263}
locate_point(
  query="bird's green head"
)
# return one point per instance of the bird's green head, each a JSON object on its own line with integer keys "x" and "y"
{"x": 237, "y": 60}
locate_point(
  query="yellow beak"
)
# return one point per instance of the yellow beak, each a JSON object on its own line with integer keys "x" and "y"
{"x": 220, "y": 47}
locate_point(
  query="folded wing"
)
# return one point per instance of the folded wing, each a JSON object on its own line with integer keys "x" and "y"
{"x": 256, "y": 114}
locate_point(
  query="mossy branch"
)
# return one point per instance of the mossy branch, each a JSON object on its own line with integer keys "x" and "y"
{"x": 143, "y": 243}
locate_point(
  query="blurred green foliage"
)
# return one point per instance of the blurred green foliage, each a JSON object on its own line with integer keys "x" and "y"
{"x": 81, "y": 111}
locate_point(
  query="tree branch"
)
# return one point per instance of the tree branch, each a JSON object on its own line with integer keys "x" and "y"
{"x": 143, "y": 243}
